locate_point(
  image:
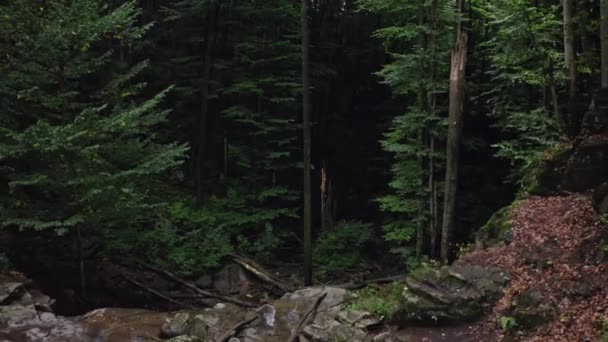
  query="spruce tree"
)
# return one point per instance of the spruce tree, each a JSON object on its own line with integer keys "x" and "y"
{"x": 80, "y": 153}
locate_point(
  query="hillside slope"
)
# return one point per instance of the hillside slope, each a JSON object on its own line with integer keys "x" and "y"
{"x": 557, "y": 258}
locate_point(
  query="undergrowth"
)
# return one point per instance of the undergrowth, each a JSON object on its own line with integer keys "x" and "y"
{"x": 380, "y": 300}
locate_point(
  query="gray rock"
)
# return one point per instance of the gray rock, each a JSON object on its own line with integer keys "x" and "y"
{"x": 449, "y": 294}
{"x": 177, "y": 325}
{"x": 530, "y": 309}
{"x": 229, "y": 279}
{"x": 185, "y": 338}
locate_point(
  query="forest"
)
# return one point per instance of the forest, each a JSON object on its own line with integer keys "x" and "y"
{"x": 406, "y": 170}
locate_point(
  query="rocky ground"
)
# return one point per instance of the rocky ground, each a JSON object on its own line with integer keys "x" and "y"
{"x": 540, "y": 274}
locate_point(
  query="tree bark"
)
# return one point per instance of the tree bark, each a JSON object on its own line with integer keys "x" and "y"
{"x": 202, "y": 120}
{"x": 432, "y": 101}
{"x": 307, "y": 152}
{"x": 456, "y": 98}
{"x": 570, "y": 59}
{"x": 604, "y": 40}
{"x": 423, "y": 107}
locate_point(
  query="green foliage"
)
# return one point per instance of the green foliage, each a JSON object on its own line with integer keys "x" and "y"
{"x": 380, "y": 300}
{"x": 77, "y": 154}
{"x": 341, "y": 248}
{"x": 523, "y": 62}
{"x": 533, "y": 134}
{"x": 416, "y": 70}
{"x": 507, "y": 323}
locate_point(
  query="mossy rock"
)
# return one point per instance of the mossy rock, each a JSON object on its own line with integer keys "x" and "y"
{"x": 496, "y": 231}
{"x": 448, "y": 294}
{"x": 549, "y": 175}
{"x": 530, "y": 310}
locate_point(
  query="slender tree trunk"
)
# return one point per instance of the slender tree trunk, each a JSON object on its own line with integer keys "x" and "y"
{"x": 307, "y": 153}
{"x": 604, "y": 39}
{"x": 204, "y": 113}
{"x": 570, "y": 60}
{"x": 422, "y": 96}
{"x": 456, "y": 97}
{"x": 432, "y": 101}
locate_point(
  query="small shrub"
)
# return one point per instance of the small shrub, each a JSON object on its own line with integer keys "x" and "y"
{"x": 465, "y": 248}
{"x": 342, "y": 248}
{"x": 507, "y": 323}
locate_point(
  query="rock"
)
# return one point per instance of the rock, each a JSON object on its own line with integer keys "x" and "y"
{"x": 449, "y": 294}
{"x": 600, "y": 199}
{"x": 186, "y": 338}
{"x": 550, "y": 175}
{"x": 588, "y": 166}
{"x": 229, "y": 279}
{"x": 277, "y": 321}
{"x": 359, "y": 319}
{"x": 530, "y": 310}
{"x": 177, "y": 325}
{"x": 496, "y": 231}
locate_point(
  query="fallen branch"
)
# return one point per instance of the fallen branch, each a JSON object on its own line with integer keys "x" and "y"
{"x": 259, "y": 272}
{"x": 362, "y": 284}
{"x": 235, "y": 329}
{"x": 167, "y": 298}
{"x": 201, "y": 291}
{"x": 309, "y": 315}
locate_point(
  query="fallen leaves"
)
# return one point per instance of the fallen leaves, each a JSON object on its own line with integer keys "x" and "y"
{"x": 556, "y": 230}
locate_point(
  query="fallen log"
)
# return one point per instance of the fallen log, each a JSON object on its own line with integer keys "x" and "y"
{"x": 308, "y": 316}
{"x": 157, "y": 293}
{"x": 235, "y": 329}
{"x": 200, "y": 291}
{"x": 259, "y": 272}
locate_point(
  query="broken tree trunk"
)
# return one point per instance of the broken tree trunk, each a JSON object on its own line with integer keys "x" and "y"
{"x": 457, "y": 83}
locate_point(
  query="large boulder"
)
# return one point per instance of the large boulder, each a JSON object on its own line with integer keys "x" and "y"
{"x": 276, "y": 322}
{"x": 449, "y": 294}
{"x": 550, "y": 173}
{"x": 588, "y": 166}
{"x": 496, "y": 231}
{"x": 21, "y": 319}
{"x": 530, "y": 309}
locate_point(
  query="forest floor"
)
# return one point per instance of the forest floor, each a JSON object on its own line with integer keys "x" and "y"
{"x": 558, "y": 248}
{"x": 555, "y": 246}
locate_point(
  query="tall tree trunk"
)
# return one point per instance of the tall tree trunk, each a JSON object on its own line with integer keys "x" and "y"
{"x": 570, "y": 60}
{"x": 202, "y": 120}
{"x": 422, "y": 96}
{"x": 306, "y": 153}
{"x": 604, "y": 39}
{"x": 456, "y": 97}
{"x": 432, "y": 102}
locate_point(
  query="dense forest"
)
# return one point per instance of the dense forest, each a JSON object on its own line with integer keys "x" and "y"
{"x": 330, "y": 141}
